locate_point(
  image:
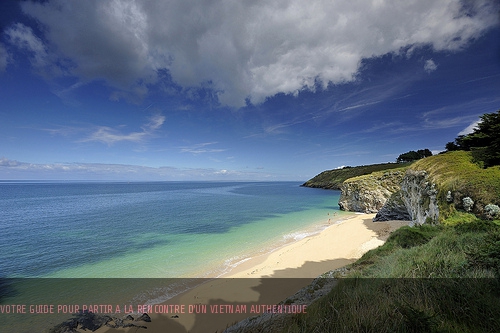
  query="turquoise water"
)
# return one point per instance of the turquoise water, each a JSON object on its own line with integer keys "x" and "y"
{"x": 151, "y": 230}
{"x": 139, "y": 243}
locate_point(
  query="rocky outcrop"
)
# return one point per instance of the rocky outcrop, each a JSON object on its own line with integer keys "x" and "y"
{"x": 86, "y": 320}
{"x": 393, "y": 210}
{"x": 369, "y": 193}
{"x": 416, "y": 201}
{"x": 393, "y": 195}
{"x": 420, "y": 197}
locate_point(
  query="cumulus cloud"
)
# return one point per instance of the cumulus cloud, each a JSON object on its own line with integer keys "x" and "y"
{"x": 111, "y": 136}
{"x": 244, "y": 50}
{"x": 430, "y": 66}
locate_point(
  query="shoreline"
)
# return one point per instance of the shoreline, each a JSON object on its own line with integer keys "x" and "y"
{"x": 269, "y": 278}
{"x": 315, "y": 254}
{"x": 254, "y": 256}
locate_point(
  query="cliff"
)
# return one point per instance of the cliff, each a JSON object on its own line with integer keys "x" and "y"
{"x": 427, "y": 191}
{"x": 415, "y": 201}
{"x": 449, "y": 183}
{"x": 369, "y": 193}
{"x": 333, "y": 179}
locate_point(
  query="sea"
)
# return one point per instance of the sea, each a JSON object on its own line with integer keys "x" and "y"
{"x": 145, "y": 231}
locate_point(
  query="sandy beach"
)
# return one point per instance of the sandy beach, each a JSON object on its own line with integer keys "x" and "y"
{"x": 260, "y": 282}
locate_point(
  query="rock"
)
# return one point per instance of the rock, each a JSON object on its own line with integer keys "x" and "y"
{"x": 91, "y": 321}
{"x": 393, "y": 195}
{"x": 369, "y": 193}
{"x": 419, "y": 197}
{"x": 394, "y": 209}
{"x": 84, "y": 321}
{"x": 145, "y": 318}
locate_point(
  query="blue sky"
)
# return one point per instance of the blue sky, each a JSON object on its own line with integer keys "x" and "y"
{"x": 237, "y": 90}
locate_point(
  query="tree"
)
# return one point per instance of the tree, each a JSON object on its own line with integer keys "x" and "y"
{"x": 413, "y": 155}
{"x": 483, "y": 142}
{"x": 424, "y": 153}
{"x": 452, "y": 146}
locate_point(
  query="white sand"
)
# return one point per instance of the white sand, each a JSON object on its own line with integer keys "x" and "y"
{"x": 334, "y": 247}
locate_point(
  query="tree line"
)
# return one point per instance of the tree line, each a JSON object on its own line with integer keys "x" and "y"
{"x": 413, "y": 155}
{"x": 483, "y": 142}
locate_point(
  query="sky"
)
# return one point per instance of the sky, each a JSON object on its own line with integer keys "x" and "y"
{"x": 237, "y": 90}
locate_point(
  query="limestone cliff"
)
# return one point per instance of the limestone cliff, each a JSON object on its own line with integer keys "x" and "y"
{"x": 416, "y": 200}
{"x": 419, "y": 196}
{"x": 393, "y": 195}
{"x": 429, "y": 190}
{"x": 393, "y": 209}
{"x": 369, "y": 193}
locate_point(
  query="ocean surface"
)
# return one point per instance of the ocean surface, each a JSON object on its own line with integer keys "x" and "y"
{"x": 138, "y": 235}
{"x": 154, "y": 229}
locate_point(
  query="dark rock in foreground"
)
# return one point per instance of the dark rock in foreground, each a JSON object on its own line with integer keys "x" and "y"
{"x": 86, "y": 320}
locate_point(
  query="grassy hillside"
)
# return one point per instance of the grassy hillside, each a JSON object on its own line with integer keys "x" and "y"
{"x": 333, "y": 179}
{"x": 423, "y": 279}
{"x": 456, "y": 172}
{"x": 429, "y": 278}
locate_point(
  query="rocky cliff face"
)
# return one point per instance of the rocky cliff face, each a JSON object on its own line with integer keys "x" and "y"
{"x": 393, "y": 209}
{"x": 369, "y": 193}
{"x": 419, "y": 197}
{"x": 393, "y": 195}
{"x": 416, "y": 201}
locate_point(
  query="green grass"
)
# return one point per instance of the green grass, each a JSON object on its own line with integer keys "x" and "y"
{"x": 333, "y": 179}
{"x": 456, "y": 172}
{"x": 430, "y": 278}
{"x": 441, "y": 278}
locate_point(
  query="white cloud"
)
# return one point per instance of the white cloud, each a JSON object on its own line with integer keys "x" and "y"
{"x": 4, "y": 162}
{"x": 200, "y": 148}
{"x": 22, "y": 36}
{"x": 469, "y": 129}
{"x": 430, "y": 66}
{"x": 245, "y": 49}
{"x": 12, "y": 169}
{"x": 110, "y": 135}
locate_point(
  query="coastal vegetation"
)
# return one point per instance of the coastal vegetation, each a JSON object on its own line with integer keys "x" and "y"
{"x": 333, "y": 179}
{"x": 441, "y": 275}
{"x": 423, "y": 279}
{"x": 428, "y": 278}
{"x": 465, "y": 177}
{"x": 413, "y": 155}
{"x": 483, "y": 142}
{"x": 458, "y": 177}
